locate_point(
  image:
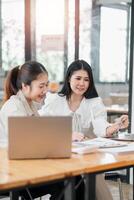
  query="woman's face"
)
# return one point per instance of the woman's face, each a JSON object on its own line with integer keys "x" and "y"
{"x": 79, "y": 82}
{"x": 38, "y": 88}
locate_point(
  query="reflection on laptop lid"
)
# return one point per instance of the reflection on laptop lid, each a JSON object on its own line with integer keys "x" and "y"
{"x": 40, "y": 137}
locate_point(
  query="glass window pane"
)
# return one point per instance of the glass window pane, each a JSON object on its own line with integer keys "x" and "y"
{"x": 113, "y": 45}
{"x": 85, "y": 30}
{"x": 71, "y": 31}
{"x": 12, "y": 26}
{"x": 50, "y": 36}
{"x": 103, "y": 43}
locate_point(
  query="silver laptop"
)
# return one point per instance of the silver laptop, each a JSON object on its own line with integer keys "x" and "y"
{"x": 40, "y": 137}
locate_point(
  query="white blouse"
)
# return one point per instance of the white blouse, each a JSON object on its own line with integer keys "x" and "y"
{"x": 90, "y": 118}
{"x": 17, "y": 105}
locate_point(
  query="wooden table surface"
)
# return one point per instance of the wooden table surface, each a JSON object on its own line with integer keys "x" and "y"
{"x": 20, "y": 173}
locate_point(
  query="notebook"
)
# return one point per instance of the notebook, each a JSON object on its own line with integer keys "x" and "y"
{"x": 40, "y": 137}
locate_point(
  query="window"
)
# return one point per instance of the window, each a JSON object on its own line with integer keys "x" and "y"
{"x": 85, "y": 30}
{"x": 71, "y": 32}
{"x": 49, "y": 26}
{"x": 12, "y": 33}
{"x": 113, "y": 44}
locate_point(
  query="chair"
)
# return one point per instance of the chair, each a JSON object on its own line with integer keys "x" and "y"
{"x": 4, "y": 195}
{"x": 115, "y": 176}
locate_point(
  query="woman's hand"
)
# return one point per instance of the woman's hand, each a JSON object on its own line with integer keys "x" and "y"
{"x": 77, "y": 137}
{"x": 113, "y": 128}
{"x": 120, "y": 123}
{"x": 123, "y": 121}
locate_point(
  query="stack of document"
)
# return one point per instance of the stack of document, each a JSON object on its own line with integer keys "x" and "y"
{"x": 81, "y": 148}
{"x": 89, "y": 146}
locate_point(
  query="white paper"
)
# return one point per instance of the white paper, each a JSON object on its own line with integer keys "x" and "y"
{"x": 128, "y": 148}
{"x": 80, "y": 148}
{"x": 102, "y": 143}
{"x": 92, "y": 145}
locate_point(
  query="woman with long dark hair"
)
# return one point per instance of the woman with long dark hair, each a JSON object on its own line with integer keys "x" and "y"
{"x": 79, "y": 98}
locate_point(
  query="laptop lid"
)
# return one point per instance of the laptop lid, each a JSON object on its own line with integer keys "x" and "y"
{"x": 40, "y": 137}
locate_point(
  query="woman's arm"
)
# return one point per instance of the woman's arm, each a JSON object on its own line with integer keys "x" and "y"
{"x": 77, "y": 137}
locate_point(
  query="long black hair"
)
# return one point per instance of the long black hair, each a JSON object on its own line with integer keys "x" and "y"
{"x": 75, "y": 66}
{"x": 25, "y": 73}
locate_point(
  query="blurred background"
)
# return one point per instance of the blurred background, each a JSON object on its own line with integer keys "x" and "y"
{"x": 56, "y": 32}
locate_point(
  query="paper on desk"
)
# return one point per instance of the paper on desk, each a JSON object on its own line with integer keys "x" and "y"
{"x": 103, "y": 143}
{"x": 79, "y": 148}
{"x": 89, "y": 146}
{"x": 128, "y": 148}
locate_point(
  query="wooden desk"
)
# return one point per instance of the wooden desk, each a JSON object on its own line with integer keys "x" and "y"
{"x": 22, "y": 173}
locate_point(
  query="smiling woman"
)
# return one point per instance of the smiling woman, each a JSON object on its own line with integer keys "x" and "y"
{"x": 25, "y": 84}
{"x": 78, "y": 98}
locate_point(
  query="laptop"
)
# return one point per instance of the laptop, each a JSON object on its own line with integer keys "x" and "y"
{"x": 39, "y": 137}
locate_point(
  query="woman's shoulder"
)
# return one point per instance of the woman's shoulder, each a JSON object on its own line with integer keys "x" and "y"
{"x": 50, "y": 95}
{"x": 95, "y": 104}
{"x": 53, "y": 98}
{"x": 94, "y": 101}
{"x": 11, "y": 104}
{"x": 53, "y": 104}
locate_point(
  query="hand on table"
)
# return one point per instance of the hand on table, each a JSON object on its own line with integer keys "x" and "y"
{"x": 77, "y": 137}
